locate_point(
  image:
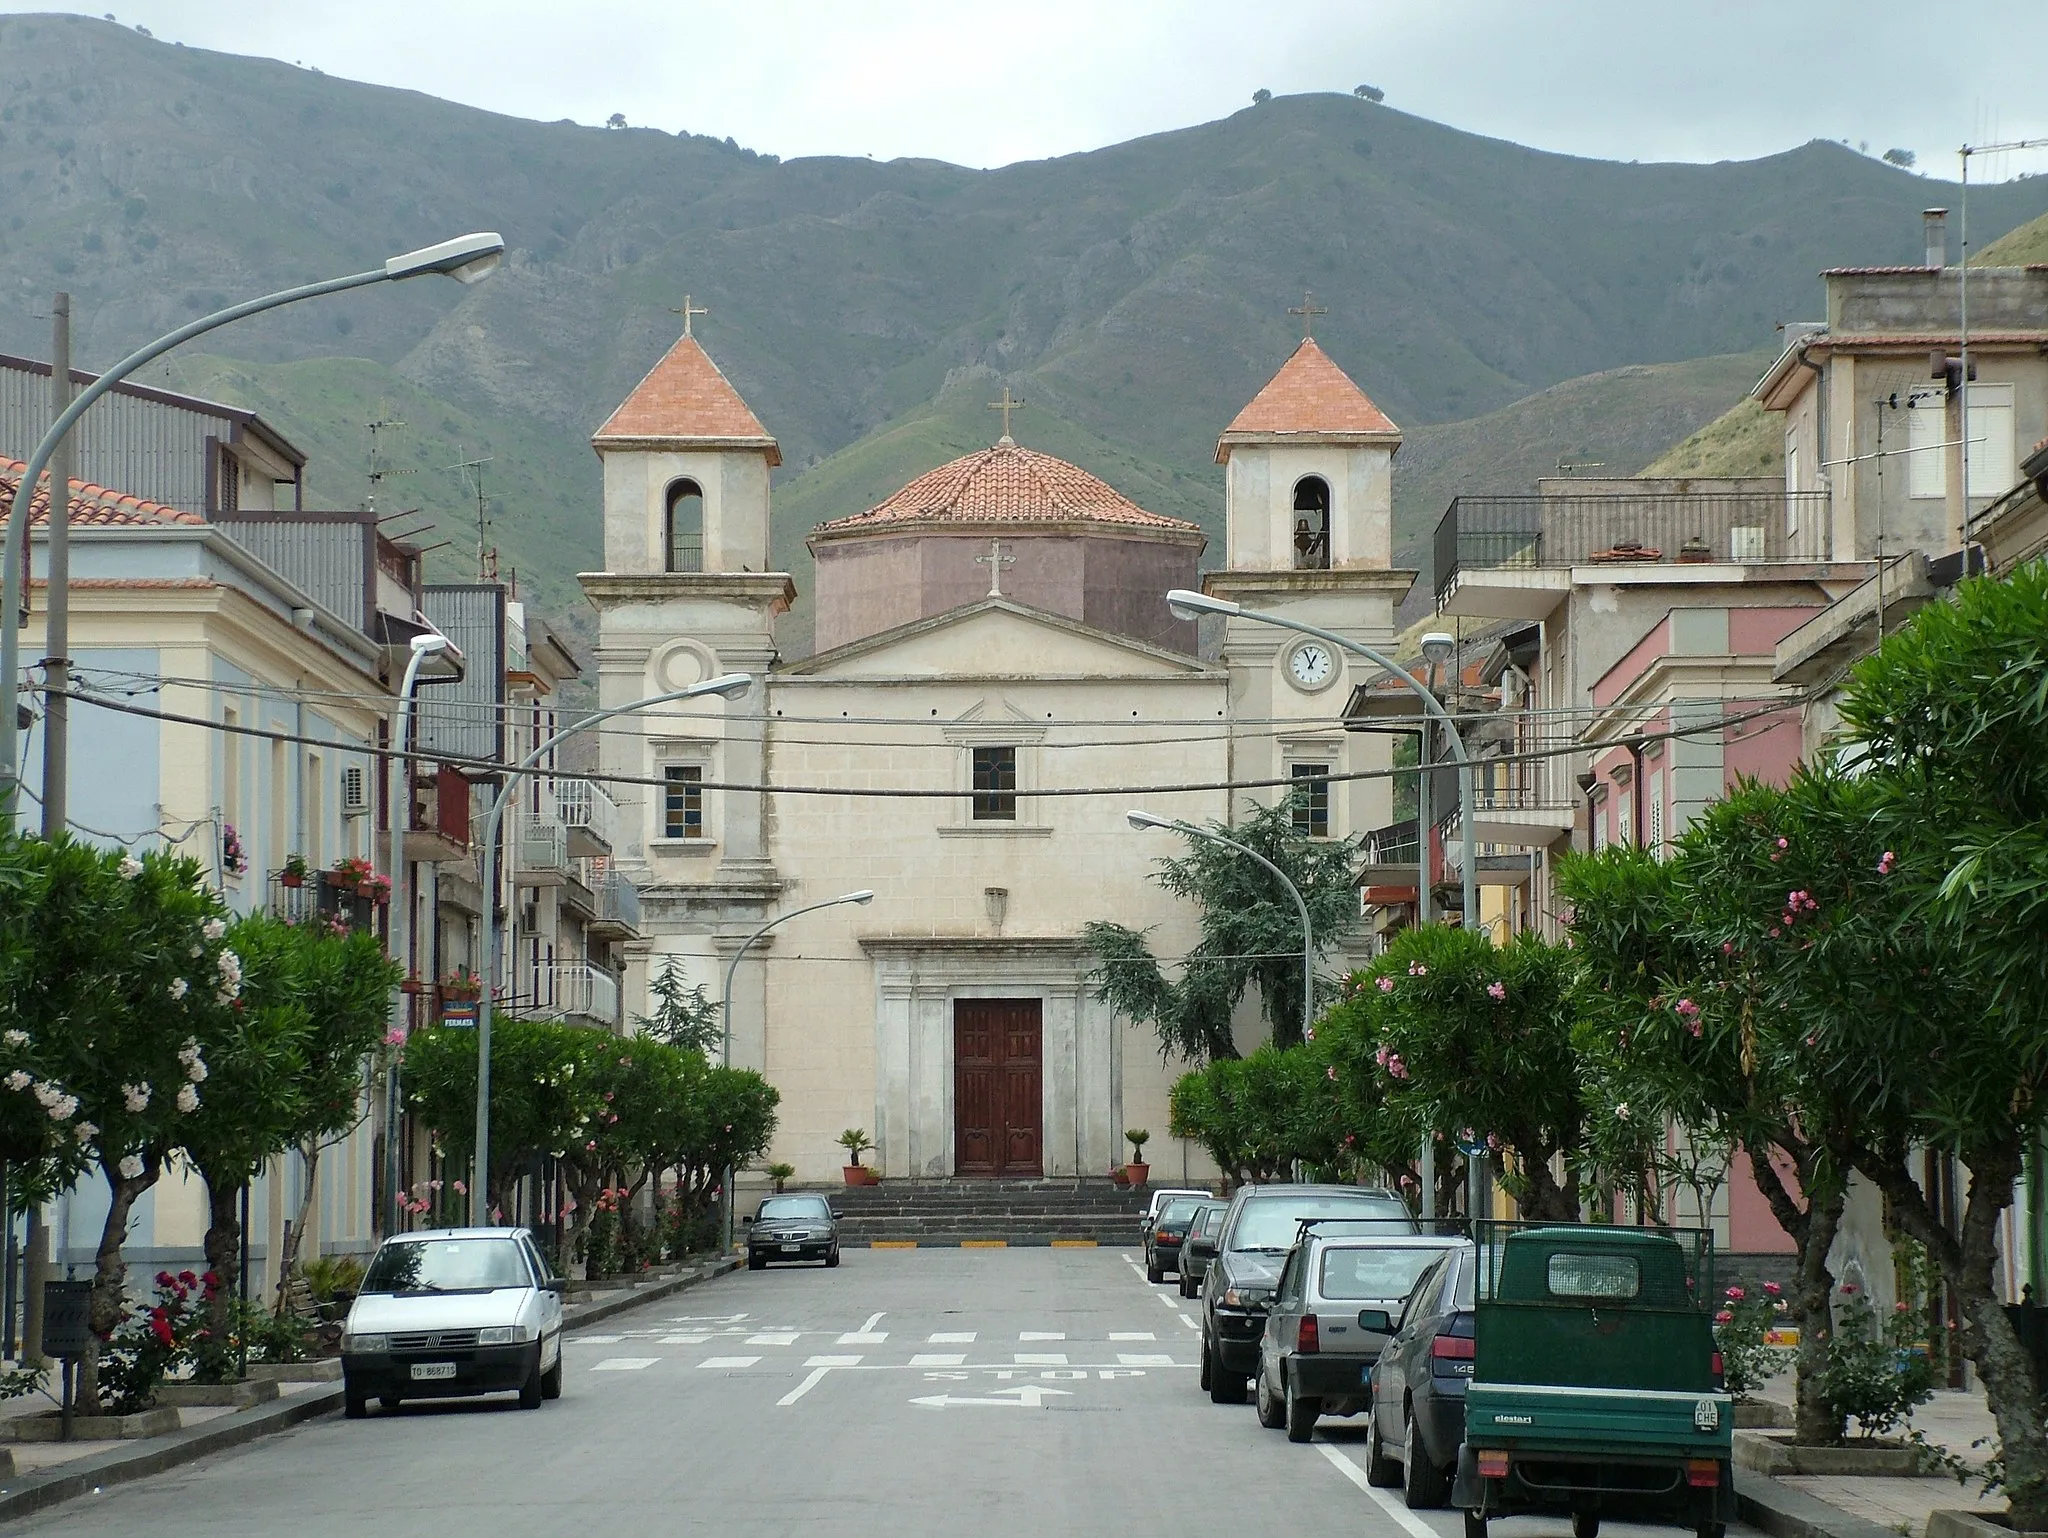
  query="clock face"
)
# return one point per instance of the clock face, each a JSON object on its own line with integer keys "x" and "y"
{"x": 1311, "y": 665}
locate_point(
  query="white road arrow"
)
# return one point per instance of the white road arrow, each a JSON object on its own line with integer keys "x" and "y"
{"x": 1030, "y": 1396}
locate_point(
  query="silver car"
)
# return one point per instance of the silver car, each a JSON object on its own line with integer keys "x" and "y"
{"x": 453, "y": 1312}
{"x": 1338, "y": 1296}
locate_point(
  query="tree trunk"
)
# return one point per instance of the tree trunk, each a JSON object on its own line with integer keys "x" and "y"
{"x": 223, "y": 1251}
{"x": 1816, "y": 1422}
{"x": 110, "y": 1275}
{"x": 288, "y": 1262}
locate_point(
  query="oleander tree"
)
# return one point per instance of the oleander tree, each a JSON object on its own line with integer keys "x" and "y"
{"x": 1258, "y": 1116}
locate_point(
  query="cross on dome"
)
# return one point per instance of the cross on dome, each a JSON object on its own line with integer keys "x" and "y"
{"x": 1006, "y": 405}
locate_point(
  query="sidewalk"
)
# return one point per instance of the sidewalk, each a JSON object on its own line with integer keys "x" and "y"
{"x": 46, "y": 1473}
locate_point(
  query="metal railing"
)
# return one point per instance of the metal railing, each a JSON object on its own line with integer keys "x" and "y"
{"x": 588, "y": 810}
{"x": 616, "y": 901}
{"x": 1628, "y": 528}
{"x": 1394, "y": 844}
{"x": 581, "y": 988}
{"x": 543, "y": 848}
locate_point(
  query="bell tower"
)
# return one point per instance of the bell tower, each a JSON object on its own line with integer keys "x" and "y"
{"x": 1309, "y": 513}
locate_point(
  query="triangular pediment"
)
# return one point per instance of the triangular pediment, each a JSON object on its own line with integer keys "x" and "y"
{"x": 996, "y": 638}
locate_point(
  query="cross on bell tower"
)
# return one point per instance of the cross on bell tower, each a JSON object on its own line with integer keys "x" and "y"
{"x": 1308, "y": 310}
{"x": 687, "y": 311}
{"x": 1006, "y": 405}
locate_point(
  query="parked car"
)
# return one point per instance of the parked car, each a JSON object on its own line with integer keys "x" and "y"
{"x": 1335, "y": 1306}
{"x": 1418, "y": 1384}
{"x": 453, "y": 1312}
{"x": 797, "y": 1227}
{"x": 1199, "y": 1247}
{"x": 1258, "y": 1230}
{"x": 1158, "y": 1202}
{"x": 1163, "y": 1239}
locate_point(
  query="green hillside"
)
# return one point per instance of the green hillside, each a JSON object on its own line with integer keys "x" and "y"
{"x": 2016, "y": 248}
{"x": 1136, "y": 294}
{"x": 1743, "y": 440}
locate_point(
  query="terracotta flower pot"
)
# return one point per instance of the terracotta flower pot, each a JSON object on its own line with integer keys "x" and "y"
{"x": 856, "y": 1174}
{"x": 1120, "y": 1176}
{"x": 1137, "y": 1174}
{"x": 291, "y": 878}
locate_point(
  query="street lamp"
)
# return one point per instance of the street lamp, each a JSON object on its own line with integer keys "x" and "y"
{"x": 1145, "y": 820}
{"x": 467, "y": 259}
{"x": 727, "y": 685}
{"x": 399, "y": 800}
{"x": 860, "y": 899}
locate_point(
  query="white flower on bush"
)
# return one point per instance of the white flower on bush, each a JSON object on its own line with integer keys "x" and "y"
{"x": 179, "y": 987}
{"x": 189, "y": 1053}
{"x": 196, "y": 1071}
{"x": 14, "y": 1038}
{"x": 136, "y": 1096}
{"x": 230, "y": 976}
{"x": 47, "y": 1094}
{"x": 20, "y": 1079}
{"x": 130, "y": 867}
{"x": 188, "y": 1099}
{"x": 131, "y": 1168}
{"x": 213, "y": 929}
{"x": 64, "y": 1108}
{"x": 85, "y": 1132}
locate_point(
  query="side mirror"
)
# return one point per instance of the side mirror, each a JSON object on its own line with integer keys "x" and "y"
{"x": 552, "y": 1284}
{"x": 745, "y": 1219}
{"x": 1376, "y": 1320}
{"x": 837, "y": 1214}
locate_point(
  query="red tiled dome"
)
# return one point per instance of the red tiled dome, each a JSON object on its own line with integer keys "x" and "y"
{"x": 1006, "y": 484}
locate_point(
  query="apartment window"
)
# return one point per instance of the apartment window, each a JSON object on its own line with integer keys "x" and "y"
{"x": 1792, "y": 486}
{"x": 1311, "y": 799}
{"x": 682, "y": 801}
{"x": 231, "y": 746}
{"x": 316, "y": 810}
{"x": 1655, "y": 790}
{"x": 995, "y": 783}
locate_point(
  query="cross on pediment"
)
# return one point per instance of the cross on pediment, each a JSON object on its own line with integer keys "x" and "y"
{"x": 1308, "y": 310}
{"x": 687, "y": 311}
{"x": 1006, "y": 405}
{"x": 995, "y": 561}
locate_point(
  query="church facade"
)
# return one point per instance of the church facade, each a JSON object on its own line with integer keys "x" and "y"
{"x": 997, "y": 683}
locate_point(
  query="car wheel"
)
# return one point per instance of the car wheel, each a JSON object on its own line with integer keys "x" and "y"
{"x": 355, "y": 1404}
{"x": 1154, "y": 1273}
{"x": 1272, "y": 1414}
{"x": 832, "y": 1260}
{"x": 1475, "y": 1525}
{"x": 1206, "y": 1370}
{"x": 1226, "y": 1387}
{"x": 1302, "y": 1410}
{"x": 1585, "y": 1524}
{"x": 551, "y": 1380}
{"x": 1185, "y": 1290}
{"x": 1381, "y": 1472}
{"x": 530, "y": 1391}
{"x": 1711, "y": 1530}
{"x": 756, "y": 1262}
{"x": 1423, "y": 1485}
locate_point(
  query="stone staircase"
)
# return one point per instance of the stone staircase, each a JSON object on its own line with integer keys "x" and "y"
{"x": 1017, "y": 1212}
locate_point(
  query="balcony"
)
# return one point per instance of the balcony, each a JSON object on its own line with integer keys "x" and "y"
{"x": 312, "y": 899}
{"x": 590, "y": 815}
{"x": 1627, "y": 530}
{"x": 581, "y": 992}
{"x": 439, "y": 830}
{"x": 540, "y": 845}
{"x": 1388, "y": 870}
{"x": 614, "y": 907}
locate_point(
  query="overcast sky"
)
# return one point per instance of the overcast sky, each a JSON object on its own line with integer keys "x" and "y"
{"x": 986, "y": 82}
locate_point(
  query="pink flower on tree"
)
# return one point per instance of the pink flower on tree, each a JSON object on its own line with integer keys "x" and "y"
{"x": 1736, "y": 1294}
{"x": 1386, "y": 985}
{"x": 1330, "y": 1073}
{"x": 1724, "y": 1317}
{"x": 1497, "y": 991}
{"x": 1772, "y": 1289}
{"x": 1884, "y": 865}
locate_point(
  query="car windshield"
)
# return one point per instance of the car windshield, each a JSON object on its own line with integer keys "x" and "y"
{"x": 1271, "y": 1222}
{"x": 447, "y": 1265}
{"x": 1207, "y": 1222}
{"x": 1376, "y": 1274}
{"x": 812, "y": 1208}
{"x": 1180, "y": 1209}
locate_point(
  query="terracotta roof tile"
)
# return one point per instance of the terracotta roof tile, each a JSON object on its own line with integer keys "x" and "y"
{"x": 1010, "y": 485}
{"x": 685, "y": 398}
{"x": 1309, "y": 396}
{"x": 91, "y": 505}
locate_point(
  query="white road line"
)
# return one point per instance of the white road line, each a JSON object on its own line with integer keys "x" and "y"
{"x": 729, "y": 1361}
{"x": 625, "y": 1363}
{"x": 1040, "y": 1359}
{"x": 833, "y": 1361}
{"x": 777, "y": 1339}
{"x": 939, "y": 1359}
{"x": 1410, "y": 1522}
{"x": 595, "y": 1340}
{"x": 863, "y": 1337}
{"x": 873, "y": 1320}
{"x": 1042, "y": 1335}
{"x": 803, "y": 1388}
{"x": 1132, "y": 1335}
{"x": 1184, "y": 1319}
{"x": 684, "y": 1340}
{"x": 953, "y": 1338}
{"x": 1169, "y": 1302}
{"x": 1139, "y": 1359}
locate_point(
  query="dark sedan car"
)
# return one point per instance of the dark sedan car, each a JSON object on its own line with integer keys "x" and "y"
{"x": 1163, "y": 1238}
{"x": 1199, "y": 1247}
{"x": 793, "y": 1228}
{"x": 1258, "y": 1231}
{"x": 1418, "y": 1385}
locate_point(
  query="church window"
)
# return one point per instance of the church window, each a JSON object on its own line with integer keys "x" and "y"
{"x": 1311, "y": 799}
{"x": 1312, "y": 524}
{"x": 682, "y": 801}
{"x": 684, "y": 534}
{"x": 995, "y": 784}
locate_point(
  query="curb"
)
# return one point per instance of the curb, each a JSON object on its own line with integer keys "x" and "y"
{"x": 119, "y": 1465}
{"x": 1018, "y": 1242}
{"x": 1787, "y": 1513}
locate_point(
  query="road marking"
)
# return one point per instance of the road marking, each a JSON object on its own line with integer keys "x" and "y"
{"x": 953, "y": 1338}
{"x": 1040, "y": 1359}
{"x": 892, "y": 1244}
{"x": 1413, "y": 1525}
{"x": 1184, "y": 1319}
{"x": 802, "y": 1388}
{"x": 1139, "y": 1359}
{"x": 873, "y": 1320}
{"x": 1073, "y": 1244}
{"x": 1042, "y": 1335}
{"x": 1028, "y": 1396}
{"x": 729, "y": 1361}
{"x": 984, "y": 1244}
{"x": 863, "y": 1337}
{"x": 625, "y": 1363}
{"x": 684, "y": 1340}
{"x": 939, "y": 1359}
{"x": 833, "y": 1361}
{"x": 776, "y": 1339}
{"x": 595, "y": 1340}
{"x": 1169, "y": 1302}
{"x": 1132, "y": 1335}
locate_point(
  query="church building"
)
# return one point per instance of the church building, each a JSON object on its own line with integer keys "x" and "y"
{"x": 999, "y": 678}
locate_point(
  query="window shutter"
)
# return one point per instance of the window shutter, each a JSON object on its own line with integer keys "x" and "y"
{"x": 1927, "y": 463}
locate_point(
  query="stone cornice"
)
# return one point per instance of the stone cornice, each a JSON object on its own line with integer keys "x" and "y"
{"x": 1006, "y": 528}
{"x": 774, "y": 591}
{"x": 1245, "y": 585}
{"x": 983, "y": 945}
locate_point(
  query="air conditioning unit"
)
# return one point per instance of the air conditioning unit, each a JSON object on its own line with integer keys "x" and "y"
{"x": 355, "y": 791}
{"x": 1746, "y": 542}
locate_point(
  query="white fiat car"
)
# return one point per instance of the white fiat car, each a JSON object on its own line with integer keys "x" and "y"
{"x": 453, "y": 1312}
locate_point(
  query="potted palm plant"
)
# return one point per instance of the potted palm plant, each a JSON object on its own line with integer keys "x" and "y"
{"x": 779, "y": 1173}
{"x": 1137, "y": 1172}
{"x": 856, "y": 1142}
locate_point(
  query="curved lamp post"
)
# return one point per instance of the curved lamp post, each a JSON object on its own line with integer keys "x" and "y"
{"x": 726, "y": 684}
{"x": 466, "y": 259}
{"x": 1144, "y": 820}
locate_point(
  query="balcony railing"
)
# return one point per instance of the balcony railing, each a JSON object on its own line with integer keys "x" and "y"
{"x": 542, "y": 844}
{"x": 1394, "y": 844}
{"x": 590, "y": 815}
{"x": 579, "y": 989}
{"x": 1628, "y": 528}
{"x": 615, "y": 901}
{"x": 311, "y": 899}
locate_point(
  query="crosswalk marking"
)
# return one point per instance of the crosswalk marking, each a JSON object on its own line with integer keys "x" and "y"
{"x": 1042, "y": 1335}
{"x": 938, "y": 1359}
{"x": 1040, "y": 1359}
{"x": 833, "y": 1361}
{"x": 695, "y": 1340}
{"x": 729, "y": 1361}
{"x": 595, "y": 1340}
{"x": 1141, "y": 1359}
{"x": 625, "y": 1363}
{"x": 1132, "y": 1335}
{"x": 776, "y": 1339}
{"x": 953, "y": 1338}
{"x": 863, "y": 1337}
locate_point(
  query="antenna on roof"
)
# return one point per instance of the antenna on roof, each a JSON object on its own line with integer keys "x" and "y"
{"x": 486, "y": 553}
{"x": 379, "y": 470}
{"x": 1574, "y": 466}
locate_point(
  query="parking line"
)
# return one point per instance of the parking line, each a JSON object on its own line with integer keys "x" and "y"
{"x": 1184, "y": 1319}
{"x": 1410, "y": 1522}
{"x": 802, "y": 1388}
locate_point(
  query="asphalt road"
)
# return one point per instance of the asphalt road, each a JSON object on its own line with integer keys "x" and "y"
{"x": 908, "y": 1393}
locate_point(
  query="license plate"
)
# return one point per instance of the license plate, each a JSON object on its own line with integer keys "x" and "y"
{"x": 791, "y": 1249}
{"x": 426, "y": 1371}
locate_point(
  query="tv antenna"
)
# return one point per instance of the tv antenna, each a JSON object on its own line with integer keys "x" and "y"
{"x": 379, "y": 470}
{"x": 472, "y": 471}
{"x": 1567, "y": 466}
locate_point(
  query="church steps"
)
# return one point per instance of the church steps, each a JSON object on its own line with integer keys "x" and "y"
{"x": 1020, "y": 1212}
